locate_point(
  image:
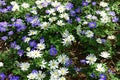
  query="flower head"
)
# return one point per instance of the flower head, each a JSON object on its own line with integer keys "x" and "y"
{"x": 91, "y": 59}
{"x": 92, "y": 24}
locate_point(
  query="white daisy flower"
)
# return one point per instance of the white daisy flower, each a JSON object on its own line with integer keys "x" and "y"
{"x": 1, "y": 64}
{"x": 54, "y": 74}
{"x": 60, "y": 23}
{"x": 100, "y": 68}
{"x": 89, "y": 34}
{"x": 32, "y": 76}
{"x": 25, "y": 5}
{"x": 62, "y": 78}
{"x": 32, "y": 32}
{"x": 41, "y": 46}
{"x": 63, "y": 71}
{"x": 103, "y": 4}
{"x": 15, "y": 6}
{"x": 45, "y": 25}
{"x": 27, "y": 39}
{"x": 91, "y": 59}
{"x": 52, "y": 19}
{"x": 40, "y": 75}
{"x": 53, "y": 64}
{"x": 43, "y": 64}
{"x": 111, "y": 37}
{"x": 66, "y": 41}
{"x": 63, "y": 58}
{"x": 71, "y": 38}
{"x": 99, "y": 40}
{"x": 105, "y": 54}
{"x": 34, "y": 54}
{"x": 61, "y": 9}
{"x": 55, "y": 4}
{"x": 24, "y": 66}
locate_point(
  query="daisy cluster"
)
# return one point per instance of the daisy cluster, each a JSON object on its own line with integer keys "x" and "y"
{"x": 39, "y": 34}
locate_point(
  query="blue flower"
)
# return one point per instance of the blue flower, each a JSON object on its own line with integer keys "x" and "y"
{"x": 2, "y": 76}
{"x": 53, "y": 51}
{"x": 92, "y": 24}
{"x": 20, "y": 52}
{"x": 84, "y": 3}
{"x": 33, "y": 43}
{"x": 103, "y": 77}
{"x": 14, "y": 78}
{"x": 10, "y": 33}
{"x": 4, "y": 38}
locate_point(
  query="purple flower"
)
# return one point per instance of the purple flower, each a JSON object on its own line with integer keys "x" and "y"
{"x": 83, "y": 61}
{"x": 19, "y": 25}
{"x": 34, "y": 71}
{"x": 10, "y": 33}
{"x": 33, "y": 43}
{"x": 13, "y": 44}
{"x": 94, "y": 3}
{"x": 103, "y": 77}
{"x": 69, "y": 6}
{"x": 2, "y": 76}
{"x": 69, "y": 21}
{"x": 112, "y": 13}
{"x": 68, "y": 63}
{"x": 14, "y": 78}
{"x": 77, "y": 69}
{"x": 115, "y": 19}
{"x": 78, "y": 10}
{"x": 20, "y": 52}
{"x": 103, "y": 40}
{"x": 42, "y": 40}
{"x": 53, "y": 51}
{"x": 33, "y": 20}
{"x": 4, "y": 38}
{"x": 92, "y": 24}
{"x": 84, "y": 3}
{"x": 92, "y": 75}
{"x": 78, "y": 19}
{"x": 72, "y": 13}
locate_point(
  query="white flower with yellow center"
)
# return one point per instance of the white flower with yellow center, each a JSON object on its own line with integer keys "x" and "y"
{"x": 53, "y": 64}
{"x": 41, "y": 46}
{"x": 91, "y": 59}
{"x": 100, "y": 68}
{"x": 63, "y": 58}
{"x": 66, "y": 41}
{"x": 89, "y": 34}
{"x": 32, "y": 32}
{"x": 43, "y": 64}
{"x": 54, "y": 74}
{"x": 105, "y": 54}
{"x": 99, "y": 40}
{"x": 34, "y": 54}
{"x": 63, "y": 71}
{"x": 55, "y": 4}
{"x": 40, "y": 75}
{"x": 52, "y": 19}
{"x": 27, "y": 39}
{"x": 103, "y": 4}
{"x": 111, "y": 37}
{"x": 60, "y": 23}
{"x": 61, "y": 9}
{"x": 65, "y": 16}
{"x": 25, "y": 5}
{"x": 71, "y": 38}
{"x": 45, "y": 25}
{"x": 62, "y": 78}
{"x": 15, "y": 6}
{"x": 24, "y": 66}
{"x": 32, "y": 76}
